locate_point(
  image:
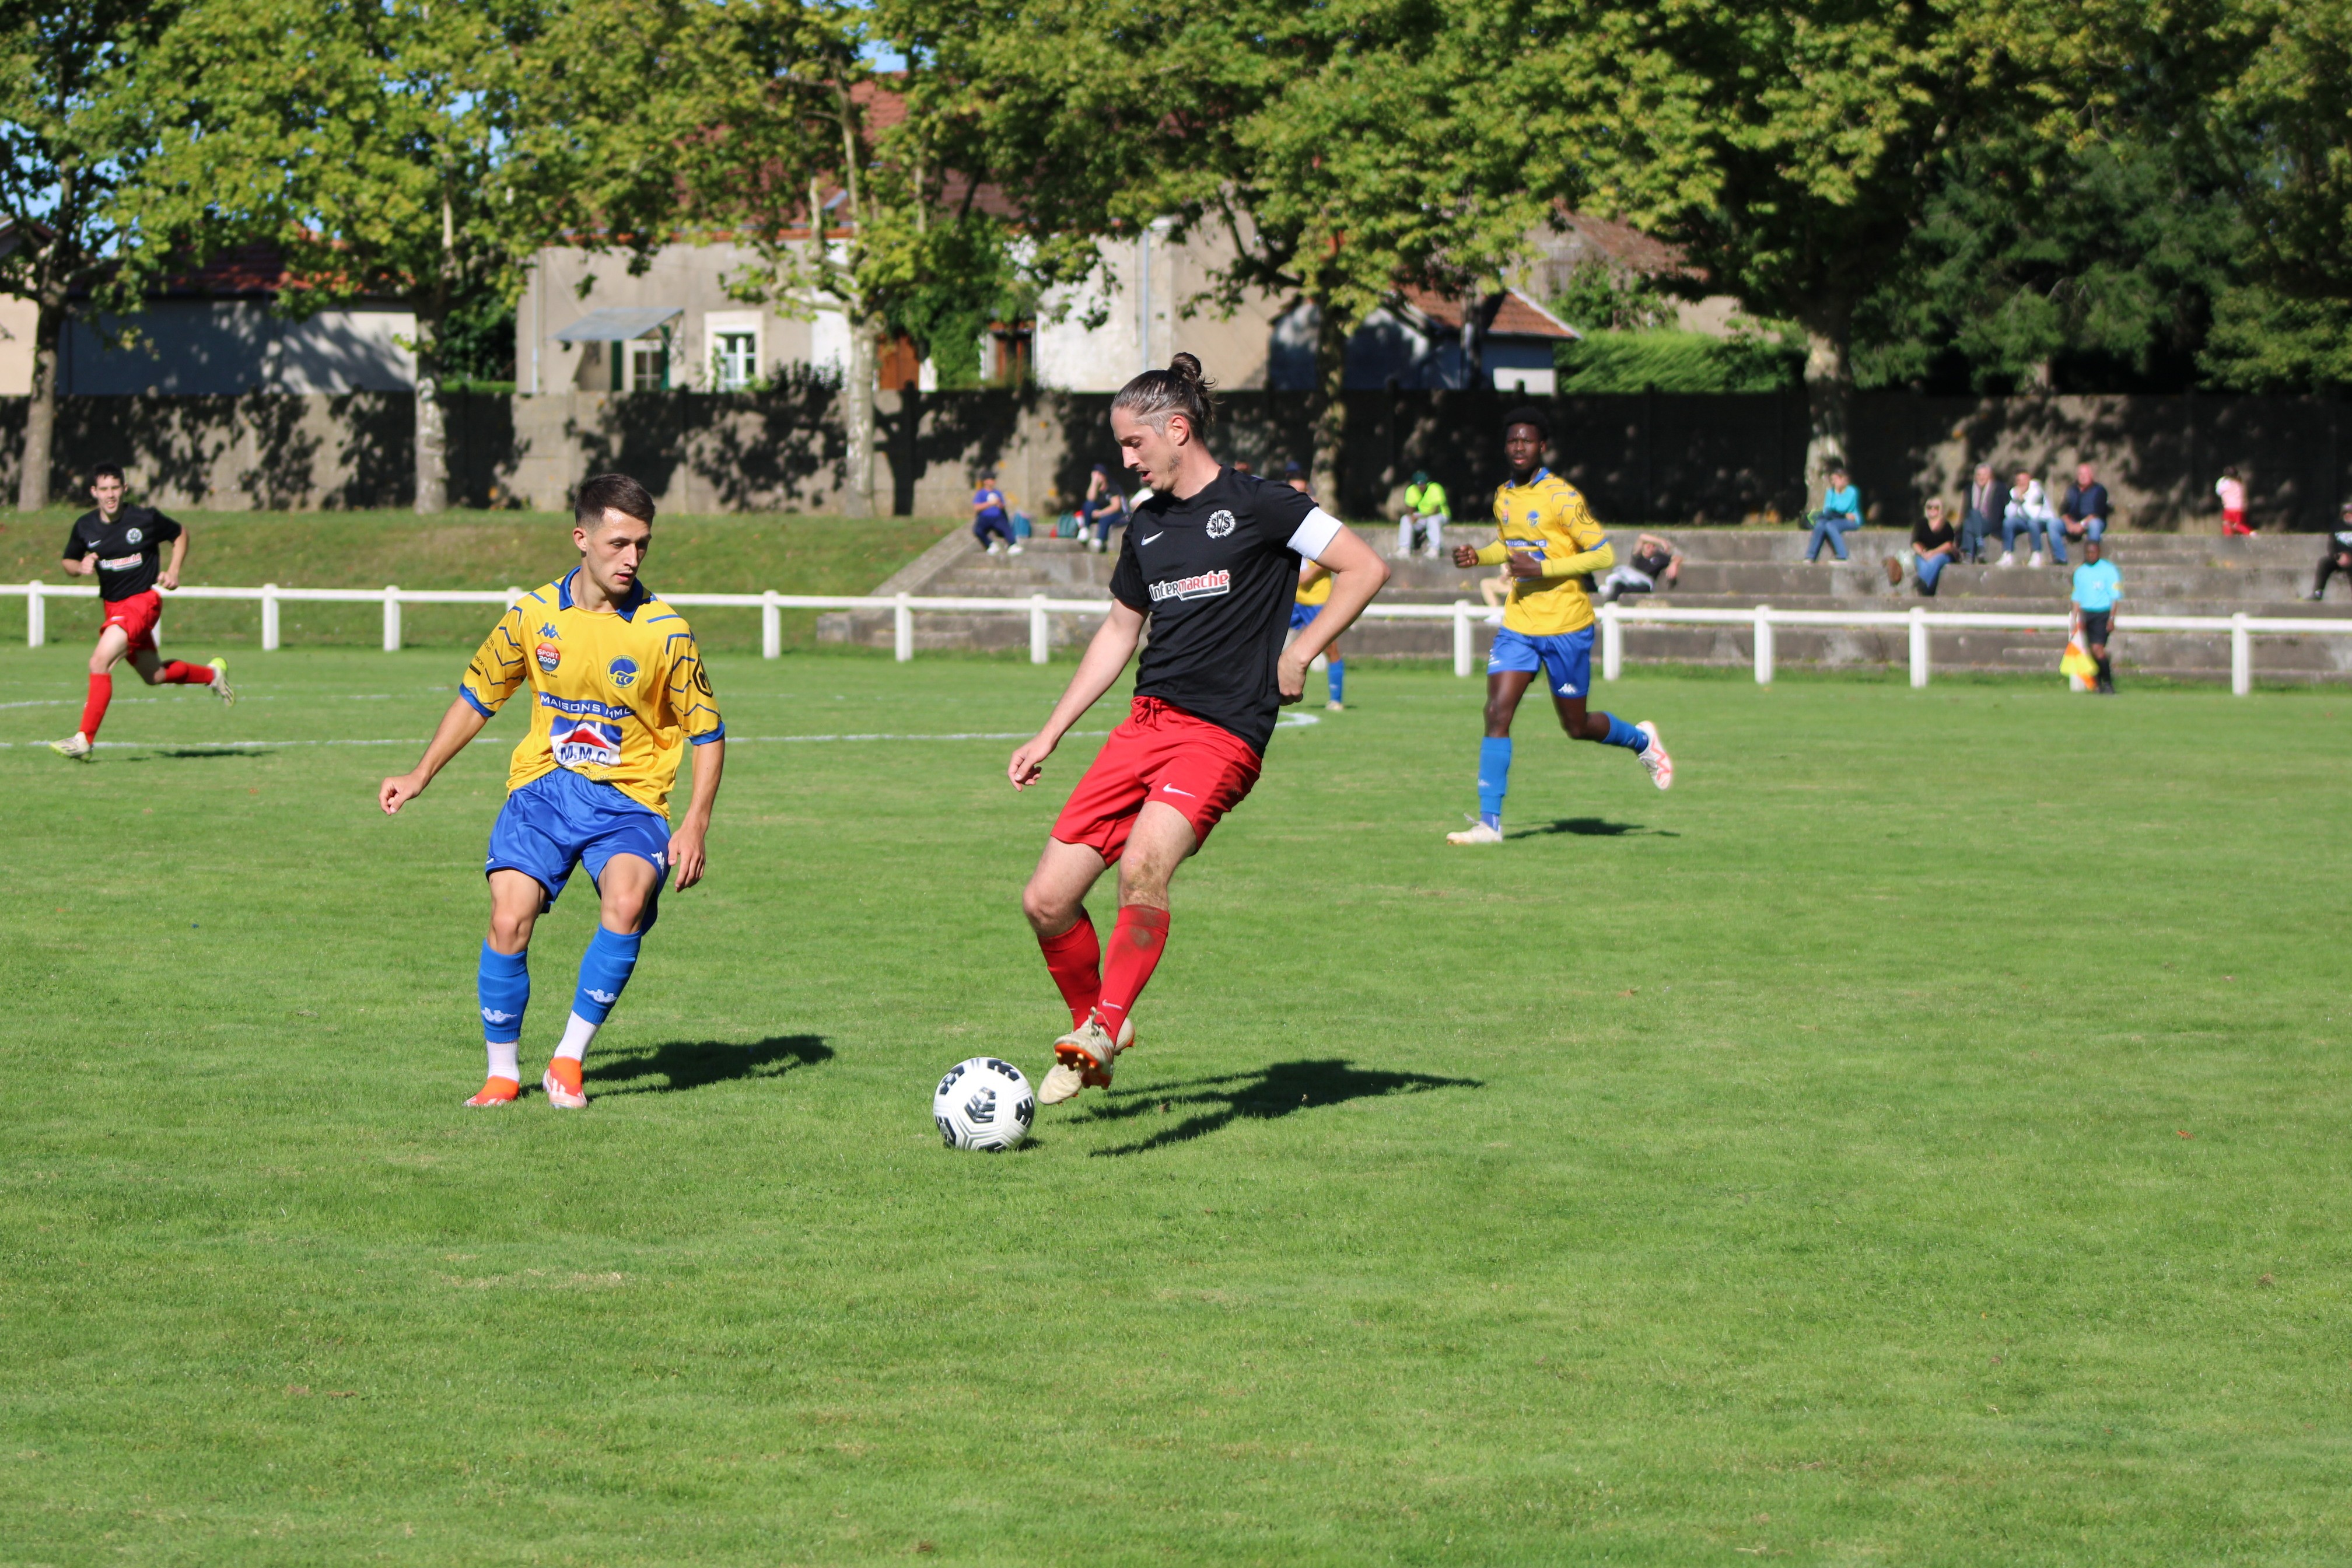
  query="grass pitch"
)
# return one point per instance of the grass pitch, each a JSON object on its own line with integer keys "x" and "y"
{"x": 1919, "y": 1137}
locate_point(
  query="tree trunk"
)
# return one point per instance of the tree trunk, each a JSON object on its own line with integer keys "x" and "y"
{"x": 857, "y": 387}
{"x": 40, "y": 416}
{"x": 1829, "y": 388}
{"x": 1328, "y": 407}
{"x": 432, "y": 438}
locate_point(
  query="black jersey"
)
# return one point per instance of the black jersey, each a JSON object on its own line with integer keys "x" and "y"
{"x": 1217, "y": 573}
{"x": 128, "y": 549}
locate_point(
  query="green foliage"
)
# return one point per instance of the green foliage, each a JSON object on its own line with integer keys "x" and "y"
{"x": 1806, "y": 1206}
{"x": 477, "y": 338}
{"x": 1599, "y": 298}
{"x": 1679, "y": 362}
{"x": 2264, "y": 341}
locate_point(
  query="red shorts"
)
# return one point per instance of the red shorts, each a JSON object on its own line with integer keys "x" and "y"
{"x": 1161, "y": 754}
{"x": 137, "y": 616}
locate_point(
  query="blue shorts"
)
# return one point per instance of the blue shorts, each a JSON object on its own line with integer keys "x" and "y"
{"x": 1303, "y": 614}
{"x": 561, "y": 820}
{"x": 1566, "y": 660}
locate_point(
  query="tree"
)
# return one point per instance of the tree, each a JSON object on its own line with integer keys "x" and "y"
{"x": 72, "y": 146}
{"x": 369, "y": 141}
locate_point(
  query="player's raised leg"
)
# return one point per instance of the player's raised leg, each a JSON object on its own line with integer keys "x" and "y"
{"x": 502, "y": 982}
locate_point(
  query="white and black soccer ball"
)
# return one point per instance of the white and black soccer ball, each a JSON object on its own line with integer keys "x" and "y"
{"x": 985, "y": 1104}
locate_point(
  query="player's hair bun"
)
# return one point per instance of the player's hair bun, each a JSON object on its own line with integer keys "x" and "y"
{"x": 1181, "y": 388}
{"x": 1185, "y": 367}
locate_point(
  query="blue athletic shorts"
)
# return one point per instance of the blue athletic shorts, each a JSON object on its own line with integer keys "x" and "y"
{"x": 1565, "y": 660}
{"x": 561, "y": 820}
{"x": 1301, "y": 615}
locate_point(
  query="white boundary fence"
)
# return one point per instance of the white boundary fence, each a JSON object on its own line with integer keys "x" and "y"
{"x": 1761, "y": 621}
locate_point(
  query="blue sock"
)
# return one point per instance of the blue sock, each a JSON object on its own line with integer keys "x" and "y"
{"x": 1494, "y": 778}
{"x": 1620, "y": 733}
{"x": 604, "y": 971}
{"x": 504, "y": 986}
{"x": 1336, "y": 676}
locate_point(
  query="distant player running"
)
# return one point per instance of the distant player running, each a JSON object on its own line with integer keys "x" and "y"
{"x": 1546, "y": 536}
{"x": 122, "y": 546}
{"x": 1213, "y": 559}
{"x": 617, "y": 694}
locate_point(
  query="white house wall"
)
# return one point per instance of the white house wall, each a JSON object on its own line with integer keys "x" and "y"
{"x": 568, "y": 283}
{"x": 195, "y": 347}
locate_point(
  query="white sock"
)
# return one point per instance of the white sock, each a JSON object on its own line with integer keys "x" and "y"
{"x": 502, "y": 1060}
{"x": 579, "y": 1034}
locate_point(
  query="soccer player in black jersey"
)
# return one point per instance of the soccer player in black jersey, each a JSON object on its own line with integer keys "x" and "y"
{"x": 122, "y": 546}
{"x": 1212, "y": 558}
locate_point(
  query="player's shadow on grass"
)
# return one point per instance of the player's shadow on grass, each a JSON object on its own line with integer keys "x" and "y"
{"x": 1276, "y": 1091}
{"x": 1592, "y": 828}
{"x": 696, "y": 1064}
{"x": 192, "y": 753}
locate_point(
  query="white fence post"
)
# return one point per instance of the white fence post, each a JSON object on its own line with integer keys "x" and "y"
{"x": 37, "y": 615}
{"x": 2242, "y": 657}
{"x": 514, "y": 597}
{"x": 772, "y": 627}
{"x": 391, "y": 619}
{"x": 1765, "y": 650}
{"x": 269, "y": 617}
{"x": 1613, "y": 643}
{"x": 903, "y": 619}
{"x": 1040, "y": 633}
{"x": 1462, "y": 638}
{"x": 1918, "y": 647}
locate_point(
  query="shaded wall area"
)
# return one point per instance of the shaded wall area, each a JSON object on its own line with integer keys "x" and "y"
{"x": 1667, "y": 458}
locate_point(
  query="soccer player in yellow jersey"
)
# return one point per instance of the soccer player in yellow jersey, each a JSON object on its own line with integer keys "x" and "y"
{"x": 618, "y": 693}
{"x": 1546, "y": 535}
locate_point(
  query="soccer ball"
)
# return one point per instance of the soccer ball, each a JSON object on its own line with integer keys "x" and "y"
{"x": 983, "y": 1104}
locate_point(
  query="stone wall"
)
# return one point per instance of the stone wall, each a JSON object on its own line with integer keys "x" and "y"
{"x": 1667, "y": 458}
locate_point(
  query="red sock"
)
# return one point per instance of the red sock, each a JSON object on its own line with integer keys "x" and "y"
{"x": 1074, "y": 960}
{"x": 1136, "y": 944}
{"x": 178, "y": 674}
{"x": 93, "y": 708}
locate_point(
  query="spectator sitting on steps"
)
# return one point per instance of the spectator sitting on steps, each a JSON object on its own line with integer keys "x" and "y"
{"x": 1980, "y": 515}
{"x": 989, "y": 518}
{"x": 1657, "y": 563}
{"x": 1934, "y": 546}
{"x": 1102, "y": 507}
{"x": 2338, "y": 555}
{"x": 2084, "y": 514}
{"x": 1424, "y": 516}
{"x": 2028, "y": 512}
{"x": 1840, "y": 510}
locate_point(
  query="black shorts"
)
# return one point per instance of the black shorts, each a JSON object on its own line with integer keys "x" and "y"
{"x": 2096, "y": 624}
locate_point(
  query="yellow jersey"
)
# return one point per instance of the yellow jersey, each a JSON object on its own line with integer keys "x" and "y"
{"x": 617, "y": 696}
{"x": 1546, "y": 518}
{"x": 1318, "y": 592}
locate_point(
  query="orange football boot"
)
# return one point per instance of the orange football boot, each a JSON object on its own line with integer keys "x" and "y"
{"x": 496, "y": 1092}
{"x": 562, "y": 1084}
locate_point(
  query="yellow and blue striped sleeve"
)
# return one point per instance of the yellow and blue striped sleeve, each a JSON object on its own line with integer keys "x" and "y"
{"x": 499, "y": 666}
{"x": 690, "y": 697}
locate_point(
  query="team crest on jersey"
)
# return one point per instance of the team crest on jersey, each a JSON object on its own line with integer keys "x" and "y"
{"x": 585, "y": 743}
{"x": 1221, "y": 523}
{"x": 549, "y": 657}
{"x": 133, "y": 535}
{"x": 623, "y": 671}
{"x": 1207, "y": 586}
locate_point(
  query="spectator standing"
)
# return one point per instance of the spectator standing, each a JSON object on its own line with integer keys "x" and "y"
{"x": 2028, "y": 512}
{"x": 2339, "y": 554}
{"x": 1102, "y": 507}
{"x": 989, "y": 520}
{"x": 2084, "y": 514}
{"x": 1841, "y": 512}
{"x": 1934, "y": 546}
{"x": 1655, "y": 561}
{"x": 2097, "y": 586}
{"x": 1980, "y": 514}
{"x": 1425, "y": 515}
{"x": 2232, "y": 491}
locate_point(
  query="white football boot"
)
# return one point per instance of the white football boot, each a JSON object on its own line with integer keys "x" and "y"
{"x": 1477, "y": 832}
{"x": 76, "y": 746}
{"x": 221, "y": 688}
{"x": 1083, "y": 1059}
{"x": 1654, "y": 758}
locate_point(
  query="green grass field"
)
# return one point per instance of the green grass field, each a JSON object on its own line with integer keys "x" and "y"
{"x": 1920, "y": 1138}
{"x": 740, "y": 553}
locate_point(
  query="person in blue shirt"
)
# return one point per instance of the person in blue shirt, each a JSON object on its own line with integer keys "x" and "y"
{"x": 2097, "y": 586}
{"x": 1840, "y": 510}
{"x": 987, "y": 517}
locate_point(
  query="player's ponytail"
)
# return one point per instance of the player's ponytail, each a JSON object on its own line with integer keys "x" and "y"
{"x": 1181, "y": 388}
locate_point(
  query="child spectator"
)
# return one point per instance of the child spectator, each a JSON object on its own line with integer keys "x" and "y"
{"x": 989, "y": 519}
{"x": 2232, "y": 491}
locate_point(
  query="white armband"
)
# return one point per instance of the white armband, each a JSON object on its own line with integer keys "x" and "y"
{"x": 1315, "y": 535}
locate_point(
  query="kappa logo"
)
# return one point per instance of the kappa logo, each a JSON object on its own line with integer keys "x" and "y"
{"x": 623, "y": 672}
{"x": 606, "y": 997}
{"x": 585, "y": 743}
{"x": 1221, "y": 523}
{"x": 549, "y": 657}
{"x": 492, "y": 1016}
{"x": 1207, "y": 586}
{"x": 547, "y": 629}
